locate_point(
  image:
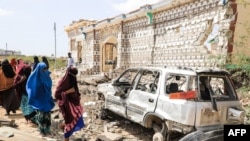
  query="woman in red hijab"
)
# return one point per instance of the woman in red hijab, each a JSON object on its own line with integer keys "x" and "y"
{"x": 68, "y": 99}
{"x": 23, "y": 73}
{"x": 13, "y": 63}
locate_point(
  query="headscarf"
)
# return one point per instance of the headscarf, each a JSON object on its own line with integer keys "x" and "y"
{"x": 8, "y": 69}
{"x": 36, "y": 61}
{"x": 38, "y": 87}
{"x": 7, "y": 75}
{"x": 13, "y": 63}
{"x": 45, "y": 60}
{"x": 19, "y": 65}
{"x": 68, "y": 81}
{"x": 19, "y": 83}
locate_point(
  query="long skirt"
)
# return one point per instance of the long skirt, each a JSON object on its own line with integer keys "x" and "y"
{"x": 77, "y": 123}
{"x": 78, "y": 126}
{"x": 43, "y": 120}
{"x": 9, "y": 100}
{"x": 27, "y": 110}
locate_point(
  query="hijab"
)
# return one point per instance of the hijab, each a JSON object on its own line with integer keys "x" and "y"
{"x": 65, "y": 100}
{"x": 19, "y": 83}
{"x": 68, "y": 81}
{"x": 36, "y": 61}
{"x": 19, "y": 65}
{"x": 38, "y": 87}
{"x": 8, "y": 69}
{"x": 7, "y": 76}
{"x": 45, "y": 60}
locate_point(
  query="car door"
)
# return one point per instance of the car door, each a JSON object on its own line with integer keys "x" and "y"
{"x": 118, "y": 90}
{"x": 142, "y": 98}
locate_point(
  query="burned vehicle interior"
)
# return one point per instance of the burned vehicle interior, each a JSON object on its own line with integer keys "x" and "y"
{"x": 209, "y": 86}
{"x": 176, "y": 83}
{"x": 215, "y": 86}
{"x": 148, "y": 81}
{"x": 145, "y": 80}
{"x": 125, "y": 82}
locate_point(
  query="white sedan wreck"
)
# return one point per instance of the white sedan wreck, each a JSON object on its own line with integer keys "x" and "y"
{"x": 195, "y": 103}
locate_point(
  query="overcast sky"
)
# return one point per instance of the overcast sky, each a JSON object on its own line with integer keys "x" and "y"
{"x": 27, "y": 25}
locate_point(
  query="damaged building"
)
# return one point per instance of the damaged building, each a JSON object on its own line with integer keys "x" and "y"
{"x": 187, "y": 33}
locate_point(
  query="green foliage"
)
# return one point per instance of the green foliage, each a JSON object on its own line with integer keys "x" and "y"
{"x": 60, "y": 62}
{"x": 247, "y": 108}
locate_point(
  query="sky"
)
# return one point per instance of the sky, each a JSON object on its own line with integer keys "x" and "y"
{"x": 28, "y": 25}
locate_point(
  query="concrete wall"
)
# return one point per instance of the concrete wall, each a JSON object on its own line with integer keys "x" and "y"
{"x": 242, "y": 31}
{"x": 188, "y": 33}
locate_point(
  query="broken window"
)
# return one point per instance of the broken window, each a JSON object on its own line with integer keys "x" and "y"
{"x": 216, "y": 86}
{"x": 148, "y": 81}
{"x": 178, "y": 83}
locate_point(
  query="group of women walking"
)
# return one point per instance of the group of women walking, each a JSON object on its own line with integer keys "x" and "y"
{"x": 29, "y": 87}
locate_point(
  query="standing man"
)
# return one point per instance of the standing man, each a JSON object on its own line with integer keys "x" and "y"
{"x": 70, "y": 61}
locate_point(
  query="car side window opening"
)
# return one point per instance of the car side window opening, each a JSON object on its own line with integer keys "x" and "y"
{"x": 204, "y": 88}
{"x": 128, "y": 76}
{"x": 177, "y": 83}
{"x": 148, "y": 81}
{"x": 126, "y": 80}
{"x": 218, "y": 87}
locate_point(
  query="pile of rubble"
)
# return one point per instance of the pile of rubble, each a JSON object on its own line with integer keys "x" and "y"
{"x": 96, "y": 129}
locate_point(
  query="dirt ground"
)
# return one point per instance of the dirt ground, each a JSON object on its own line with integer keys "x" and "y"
{"x": 19, "y": 124}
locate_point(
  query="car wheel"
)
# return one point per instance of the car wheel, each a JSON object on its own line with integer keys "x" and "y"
{"x": 194, "y": 136}
{"x": 161, "y": 128}
{"x": 158, "y": 137}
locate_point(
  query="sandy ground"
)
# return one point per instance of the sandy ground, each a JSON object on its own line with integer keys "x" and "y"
{"x": 21, "y": 125}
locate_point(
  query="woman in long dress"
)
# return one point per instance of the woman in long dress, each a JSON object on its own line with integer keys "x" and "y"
{"x": 23, "y": 73}
{"x": 9, "y": 99}
{"x": 68, "y": 99}
{"x": 38, "y": 87}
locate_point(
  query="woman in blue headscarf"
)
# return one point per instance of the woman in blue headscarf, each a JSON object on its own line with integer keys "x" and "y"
{"x": 38, "y": 87}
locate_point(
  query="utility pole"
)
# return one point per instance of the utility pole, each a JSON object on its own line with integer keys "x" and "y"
{"x": 55, "y": 45}
{"x": 6, "y": 49}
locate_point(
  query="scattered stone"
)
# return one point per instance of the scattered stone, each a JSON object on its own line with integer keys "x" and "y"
{"x": 107, "y": 136}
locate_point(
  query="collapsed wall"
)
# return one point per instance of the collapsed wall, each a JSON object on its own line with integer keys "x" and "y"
{"x": 187, "y": 33}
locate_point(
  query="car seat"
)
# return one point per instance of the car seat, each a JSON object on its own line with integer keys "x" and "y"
{"x": 173, "y": 87}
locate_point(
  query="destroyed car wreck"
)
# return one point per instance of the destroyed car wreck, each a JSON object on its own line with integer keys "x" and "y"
{"x": 194, "y": 103}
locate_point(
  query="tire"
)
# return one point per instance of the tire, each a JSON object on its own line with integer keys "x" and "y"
{"x": 194, "y": 136}
{"x": 214, "y": 135}
{"x": 160, "y": 131}
{"x": 158, "y": 137}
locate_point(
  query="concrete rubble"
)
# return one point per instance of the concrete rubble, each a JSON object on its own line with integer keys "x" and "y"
{"x": 96, "y": 129}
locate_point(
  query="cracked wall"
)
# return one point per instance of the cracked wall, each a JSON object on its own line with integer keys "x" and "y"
{"x": 190, "y": 33}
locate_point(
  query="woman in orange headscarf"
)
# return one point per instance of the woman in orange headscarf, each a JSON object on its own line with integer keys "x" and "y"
{"x": 7, "y": 91}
